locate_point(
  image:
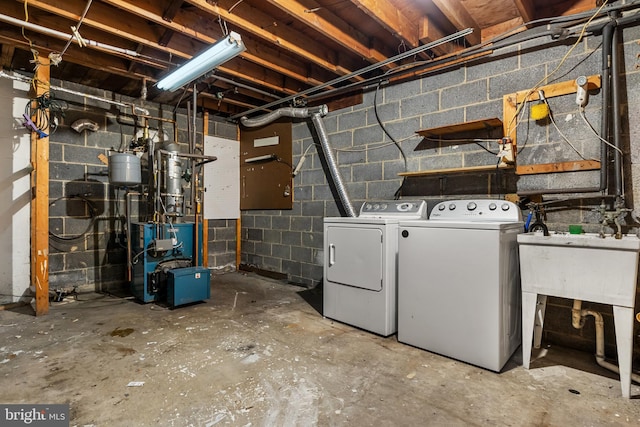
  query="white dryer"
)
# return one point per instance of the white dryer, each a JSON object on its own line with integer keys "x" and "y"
{"x": 360, "y": 264}
{"x": 459, "y": 283}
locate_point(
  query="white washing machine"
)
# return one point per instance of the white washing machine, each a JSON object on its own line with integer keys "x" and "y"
{"x": 459, "y": 283}
{"x": 360, "y": 264}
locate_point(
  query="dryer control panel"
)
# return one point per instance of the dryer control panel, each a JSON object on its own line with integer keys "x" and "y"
{"x": 477, "y": 210}
{"x": 405, "y": 209}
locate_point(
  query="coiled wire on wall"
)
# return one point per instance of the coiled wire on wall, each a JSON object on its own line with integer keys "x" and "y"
{"x": 93, "y": 215}
{"x": 37, "y": 109}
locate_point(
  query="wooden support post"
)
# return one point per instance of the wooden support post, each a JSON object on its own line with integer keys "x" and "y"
{"x": 40, "y": 200}
{"x": 238, "y": 224}
{"x": 205, "y": 222}
{"x": 238, "y": 243}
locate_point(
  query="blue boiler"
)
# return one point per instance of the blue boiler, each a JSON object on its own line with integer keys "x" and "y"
{"x": 159, "y": 259}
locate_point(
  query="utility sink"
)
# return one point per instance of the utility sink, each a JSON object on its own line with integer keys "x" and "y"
{"x": 585, "y": 267}
{"x": 580, "y": 266}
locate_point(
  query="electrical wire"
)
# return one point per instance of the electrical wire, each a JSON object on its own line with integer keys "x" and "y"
{"x": 555, "y": 125}
{"x": 384, "y": 128}
{"x": 134, "y": 260}
{"x": 283, "y": 161}
{"x": 562, "y": 61}
{"x": 35, "y": 54}
{"x": 584, "y": 117}
{"x": 93, "y": 215}
{"x": 45, "y": 107}
{"x": 604, "y": 141}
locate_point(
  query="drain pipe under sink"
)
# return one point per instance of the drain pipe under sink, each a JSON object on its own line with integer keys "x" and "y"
{"x": 578, "y": 317}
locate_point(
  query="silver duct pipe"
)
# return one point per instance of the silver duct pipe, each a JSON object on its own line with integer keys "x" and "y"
{"x": 333, "y": 166}
{"x": 298, "y": 113}
{"x": 316, "y": 114}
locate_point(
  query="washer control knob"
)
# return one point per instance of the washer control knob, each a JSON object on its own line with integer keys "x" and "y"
{"x": 471, "y": 206}
{"x": 452, "y": 206}
{"x": 367, "y": 207}
{"x": 441, "y": 207}
{"x": 383, "y": 206}
{"x": 505, "y": 206}
{"x": 492, "y": 206}
{"x": 376, "y": 207}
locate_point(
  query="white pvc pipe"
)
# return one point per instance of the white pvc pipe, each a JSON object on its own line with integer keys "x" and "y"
{"x": 64, "y": 36}
{"x": 578, "y": 317}
{"x": 134, "y": 108}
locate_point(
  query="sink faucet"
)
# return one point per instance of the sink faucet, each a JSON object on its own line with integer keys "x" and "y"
{"x": 612, "y": 216}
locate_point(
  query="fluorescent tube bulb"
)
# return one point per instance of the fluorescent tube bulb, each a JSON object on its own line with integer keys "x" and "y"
{"x": 219, "y": 53}
{"x": 261, "y": 158}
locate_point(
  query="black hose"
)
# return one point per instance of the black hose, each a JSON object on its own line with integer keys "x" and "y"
{"x": 93, "y": 214}
{"x": 607, "y": 37}
{"x": 617, "y": 120}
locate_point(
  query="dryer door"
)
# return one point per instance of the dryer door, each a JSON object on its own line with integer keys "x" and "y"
{"x": 354, "y": 256}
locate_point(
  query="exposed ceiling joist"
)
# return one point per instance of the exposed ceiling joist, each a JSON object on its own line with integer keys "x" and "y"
{"x": 460, "y": 18}
{"x": 292, "y": 45}
{"x": 332, "y": 26}
{"x": 526, "y": 9}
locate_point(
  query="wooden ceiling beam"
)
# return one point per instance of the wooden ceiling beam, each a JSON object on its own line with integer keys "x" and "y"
{"x": 84, "y": 57}
{"x": 392, "y": 19}
{"x": 171, "y": 10}
{"x": 503, "y": 27}
{"x": 48, "y": 21}
{"x": 334, "y": 28}
{"x": 6, "y": 56}
{"x": 456, "y": 13}
{"x": 107, "y": 19}
{"x": 527, "y": 9}
{"x": 138, "y": 30}
{"x": 165, "y": 38}
{"x": 208, "y": 32}
{"x": 93, "y": 60}
{"x": 429, "y": 32}
{"x": 256, "y": 22}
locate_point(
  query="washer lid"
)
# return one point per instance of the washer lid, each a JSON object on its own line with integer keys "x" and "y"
{"x": 476, "y": 210}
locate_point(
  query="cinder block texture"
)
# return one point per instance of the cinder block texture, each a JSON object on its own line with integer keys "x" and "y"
{"x": 95, "y": 256}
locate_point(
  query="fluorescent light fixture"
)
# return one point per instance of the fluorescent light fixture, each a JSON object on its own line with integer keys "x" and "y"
{"x": 220, "y": 52}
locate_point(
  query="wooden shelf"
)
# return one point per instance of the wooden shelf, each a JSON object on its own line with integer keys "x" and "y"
{"x": 571, "y": 166}
{"x": 467, "y": 169}
{"x": 475, "y": 125}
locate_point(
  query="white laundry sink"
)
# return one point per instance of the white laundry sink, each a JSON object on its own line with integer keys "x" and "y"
{"x": 584, "y": 267}
{"x": 580, "y": 266}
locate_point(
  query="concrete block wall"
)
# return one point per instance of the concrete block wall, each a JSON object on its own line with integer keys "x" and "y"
{"x": 97, "y": 257}
{"x": 290, "y": 241}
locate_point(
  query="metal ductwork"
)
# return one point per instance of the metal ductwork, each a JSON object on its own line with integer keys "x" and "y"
{"x": 316, "y": 114}
{"x": 298, "y": 113}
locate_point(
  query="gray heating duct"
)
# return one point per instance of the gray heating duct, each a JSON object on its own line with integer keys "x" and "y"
{"x": 316, "y": 114}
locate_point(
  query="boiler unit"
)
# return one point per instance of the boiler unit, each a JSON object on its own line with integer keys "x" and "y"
{"x": 164, "y": 228}
{"x": 159, "y": 252}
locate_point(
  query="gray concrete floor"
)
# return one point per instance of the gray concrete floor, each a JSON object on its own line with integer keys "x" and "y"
{"x": 260, "y": 353}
